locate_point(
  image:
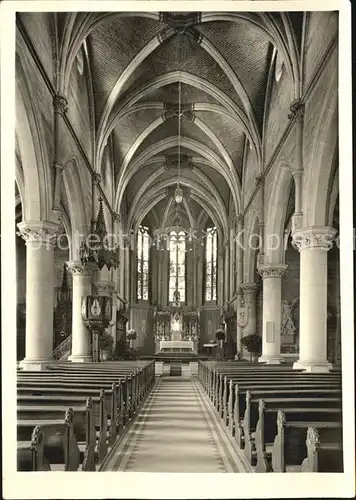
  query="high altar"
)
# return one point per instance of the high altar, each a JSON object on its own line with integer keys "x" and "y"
{"x": 176, "y": 329}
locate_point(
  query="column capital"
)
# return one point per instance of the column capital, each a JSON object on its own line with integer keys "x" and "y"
{"x": 60, "y": 104}
{"x": 248, "y": 288}
{"x": 39, "y": 231}
{"x": 78, "y": 269}
{"x": 298, "y": 172}
{"x": 272, "y": 270}
{"x": 320, "y": 237}
{"x": 58, "y": 166}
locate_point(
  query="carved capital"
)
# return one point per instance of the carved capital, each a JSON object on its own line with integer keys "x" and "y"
{"x": 116, "y": 217}
{"x": 297, "y": 110}
{"x": 314, "y": 237}
{"x": 39, "y": 231}
{"x": 59, "y": 167}
{"x": 272, "y": 270}
{"x": 77, "y": 268}
{"x": 60, "y": 104}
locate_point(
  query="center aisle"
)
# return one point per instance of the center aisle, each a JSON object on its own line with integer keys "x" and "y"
{"x": 176, "y": 431}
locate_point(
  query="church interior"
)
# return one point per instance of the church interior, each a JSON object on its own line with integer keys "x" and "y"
{"x": 177, "y": 257}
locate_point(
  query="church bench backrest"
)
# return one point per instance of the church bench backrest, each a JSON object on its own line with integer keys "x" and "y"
{"x": 322, "y": 456}
{"x": 289, "y": 447}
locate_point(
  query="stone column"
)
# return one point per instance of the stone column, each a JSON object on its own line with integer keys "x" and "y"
{"x": 40, "y": 240}
{"x": 313, "y": 244}
{"x": 239, "y": 324}
{"x": 272, "y": 312}
{"x": 81, "y": 336}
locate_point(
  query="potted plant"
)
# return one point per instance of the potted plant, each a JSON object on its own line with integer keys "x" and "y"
{"x": 220, "y": 336}
{"x": 131, "y": 335}
{"x": 106, "y": 345}
{"x": 252, "y": 344}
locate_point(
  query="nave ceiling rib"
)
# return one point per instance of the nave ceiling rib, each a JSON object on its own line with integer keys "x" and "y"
{"x": 222, "y": 68}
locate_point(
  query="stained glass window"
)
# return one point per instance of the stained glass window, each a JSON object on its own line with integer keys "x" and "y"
{"x": 143, "y": 244}
{"x": 176, "y": 266}
{"x": 210, "y": 264}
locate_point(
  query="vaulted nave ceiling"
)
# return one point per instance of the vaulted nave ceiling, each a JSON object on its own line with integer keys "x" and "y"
{"x": 222, "y": 64}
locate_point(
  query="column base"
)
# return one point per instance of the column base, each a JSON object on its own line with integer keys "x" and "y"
{"x": 36, "y": 365}
{"x": 271, "y": 360}
{"x": 313, "y": 366}
{"x": 77, "y": 358}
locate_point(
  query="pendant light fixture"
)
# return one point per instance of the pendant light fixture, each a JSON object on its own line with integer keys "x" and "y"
{"x": 178, "y": 195}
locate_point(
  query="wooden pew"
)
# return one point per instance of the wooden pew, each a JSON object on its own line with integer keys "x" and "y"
{"x": 88, "y": 422}
{"x": 51, "y": 443}
{"x": 292, "y": 441}
{"x": 50, "y": 385}
{"x": 223, "y": 393}
{"x": 324, "y": 452}
{"x": 266, "y": 429}
{"x": 64, "y": 384}
{"x": 257, "y": 392}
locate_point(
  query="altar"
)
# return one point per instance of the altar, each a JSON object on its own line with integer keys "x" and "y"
{"x": 176, "y": 330}
{"x": 176, "y": 345}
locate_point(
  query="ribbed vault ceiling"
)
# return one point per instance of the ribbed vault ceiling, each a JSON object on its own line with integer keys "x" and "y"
{"x": 223, "y": 66}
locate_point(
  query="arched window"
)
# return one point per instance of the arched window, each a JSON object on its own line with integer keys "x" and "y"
{"x": 210, "y": 264}
{"x": 176, "y": 266}
{"x": 143, "y": 241}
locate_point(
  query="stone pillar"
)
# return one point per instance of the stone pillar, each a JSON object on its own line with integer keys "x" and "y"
{"x": 40, "y": 240}
{"x": 272, "y": 312}
{"x": 239, "y": 325}
{"x": 313, "y": 244}
{"x": 81, "y": 336}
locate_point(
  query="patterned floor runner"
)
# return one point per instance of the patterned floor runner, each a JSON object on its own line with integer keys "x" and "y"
{"x": 176, "y": 431}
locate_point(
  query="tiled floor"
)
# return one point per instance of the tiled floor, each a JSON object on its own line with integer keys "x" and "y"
{"x": 176, "y": 431}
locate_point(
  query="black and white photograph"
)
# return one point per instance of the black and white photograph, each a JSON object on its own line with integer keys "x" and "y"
{"x": 177, "y": 197}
